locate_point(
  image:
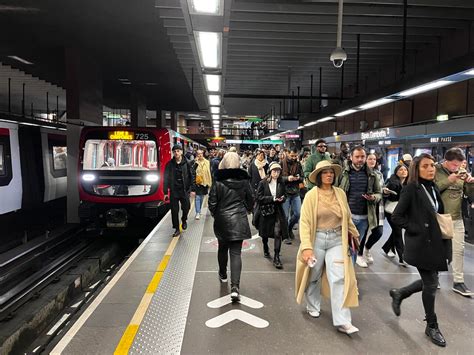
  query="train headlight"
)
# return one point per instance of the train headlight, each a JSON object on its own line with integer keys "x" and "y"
{"x": 152, "y": 177}
{"x": 88, "y": 177}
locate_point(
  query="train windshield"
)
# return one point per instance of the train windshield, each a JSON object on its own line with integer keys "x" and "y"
{"x": 102, "y": 154}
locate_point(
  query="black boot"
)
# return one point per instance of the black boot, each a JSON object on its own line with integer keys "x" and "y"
{"x": 277, "y": 262}
{"x": 396, "y": 301}
{"x": 435, "y": 335}
{"x": 266, "y": 252}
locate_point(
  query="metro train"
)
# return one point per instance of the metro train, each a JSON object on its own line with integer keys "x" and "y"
{"x": 33, "y": 165}
{"x": 120, "y": 173}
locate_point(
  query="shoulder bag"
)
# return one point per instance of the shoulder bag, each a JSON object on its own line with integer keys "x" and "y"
{"x": 445, "y": 220}
{"x": 389, "y": 206}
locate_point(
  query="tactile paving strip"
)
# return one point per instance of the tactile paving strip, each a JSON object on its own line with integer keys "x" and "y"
{"x": 162, "y": 329}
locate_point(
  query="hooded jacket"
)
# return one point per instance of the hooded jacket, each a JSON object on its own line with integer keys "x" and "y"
{"x": 230, "y": 199}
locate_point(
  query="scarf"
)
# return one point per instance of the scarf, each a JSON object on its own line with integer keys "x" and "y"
{"x": 203, "y": 172}
{"x": 260, "y": 166}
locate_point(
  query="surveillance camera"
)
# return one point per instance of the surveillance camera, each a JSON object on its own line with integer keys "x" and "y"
{"x": 338, "y": 57}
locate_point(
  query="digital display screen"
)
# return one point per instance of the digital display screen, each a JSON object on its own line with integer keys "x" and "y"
{"x": 121, "y": 135}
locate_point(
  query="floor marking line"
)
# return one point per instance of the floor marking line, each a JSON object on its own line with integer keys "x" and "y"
{"x": 64, "y": 342}
{"x": 234, "y": 314}
{"x": 225, "y": 300}
{"x": 127, "y": 340}
{"x": 164, "y": 263}
{"x": 155, "y": 281}
{"x": 142, "y": 308}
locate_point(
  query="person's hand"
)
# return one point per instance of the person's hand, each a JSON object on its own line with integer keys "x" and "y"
{"x": 469, "y": 179}
{"x": 368, "y": 197}
{"x": 453, "y": 178}
{"x": 385, "y": 191}
{"x": 193, "y": 194}
{"x": 307, "y": 254}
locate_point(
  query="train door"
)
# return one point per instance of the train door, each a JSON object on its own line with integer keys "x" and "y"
{"x": 11, "y": 189}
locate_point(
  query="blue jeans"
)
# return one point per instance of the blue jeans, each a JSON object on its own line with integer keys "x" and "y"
{"x": 362, "y": 225}
{"x": 293, "y": 201}
{"x": 329, "y": 256}
{"x": 198, "y": 202}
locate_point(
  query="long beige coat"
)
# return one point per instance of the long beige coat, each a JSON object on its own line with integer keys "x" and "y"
{"x": 307, "y": 226}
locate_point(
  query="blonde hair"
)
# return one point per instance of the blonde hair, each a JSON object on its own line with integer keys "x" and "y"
{"x": 231, "y": 160}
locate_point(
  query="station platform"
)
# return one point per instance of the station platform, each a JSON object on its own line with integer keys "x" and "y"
{"x": 167, "y": 299}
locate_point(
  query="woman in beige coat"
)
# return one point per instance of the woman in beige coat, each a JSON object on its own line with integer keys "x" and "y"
{"x": 325, "y": 224}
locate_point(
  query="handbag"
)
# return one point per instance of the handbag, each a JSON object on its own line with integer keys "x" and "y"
{"x": 199, "y": 180}
{"x": 446, "y": 225}
{"x": 267, "y": 209}
{"x": 389, "y": 206}
{"x": 445, "y": 221}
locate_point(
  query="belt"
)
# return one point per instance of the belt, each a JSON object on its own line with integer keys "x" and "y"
{"x": 334, "y": 230}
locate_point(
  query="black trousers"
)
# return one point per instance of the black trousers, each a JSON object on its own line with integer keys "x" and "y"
{"x": 368, "y": 242}
{"x": 427, "y": 285}
{"x": 233, "y": 248}
{"x": 185, "y": 205}
{"x": 395, "y": 240}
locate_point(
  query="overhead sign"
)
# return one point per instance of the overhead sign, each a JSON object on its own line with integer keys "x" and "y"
{"x": 292, "y": 136}
{"x": 378, "y": 134}
{"x": 253, "y": 141}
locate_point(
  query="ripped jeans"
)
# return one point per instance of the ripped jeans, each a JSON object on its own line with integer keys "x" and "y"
{"x": 328, "y": 251}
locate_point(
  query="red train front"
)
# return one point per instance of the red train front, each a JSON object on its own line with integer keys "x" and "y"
{"x": 120, "y": 173}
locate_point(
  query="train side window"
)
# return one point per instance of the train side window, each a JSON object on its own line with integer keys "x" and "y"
{"x": 58, "y": 156}
{"x": 2, "y": 160}
{"x": 5, "y": 161}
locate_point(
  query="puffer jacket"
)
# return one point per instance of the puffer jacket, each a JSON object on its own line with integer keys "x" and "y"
{"x": 230, "y": 198}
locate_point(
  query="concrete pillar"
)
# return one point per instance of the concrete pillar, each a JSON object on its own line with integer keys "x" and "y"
{"x": 137, "y": 110}
{"x": 174, "y": 121}
{"x": 84, "y": 107}
{"x": 160, "y": 119}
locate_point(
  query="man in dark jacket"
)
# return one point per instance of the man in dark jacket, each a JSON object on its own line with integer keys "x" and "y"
{"x": 313, "y": 160}
{"x": 362, "y": 187}
{"x": 177, "y": 185}
{"x": 292, "y": 177}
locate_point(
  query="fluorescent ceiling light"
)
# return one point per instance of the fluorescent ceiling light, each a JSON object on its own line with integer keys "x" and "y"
{"x": 215, "y": 117}
{"x": 208, "y": 7}
{"x": 470, "y": 72}
{"x": 308, "y": 124}
{"x": 375, "y": 103}
{"x": 214, "y": 100}
{"x": 442, "y": 117}
{"x": 209, "y": 45}
{"x": 213, "y": 82}
{"x": 325, "y": 119}
{"x": 215, "y": 109}
{"x": 300, "y": 127}
{"x": 345, "y": 113}
{"x": 21, "y": 60}
{"x": 423, "y": 88}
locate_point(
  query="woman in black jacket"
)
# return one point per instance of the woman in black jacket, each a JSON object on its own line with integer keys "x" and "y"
{"x": 230, "y": 199}
{"x": 395, "y": 184}
{"x": 424, "y": 247}
{"x": 271, "y": 221}
{"x": 258, "y": 169}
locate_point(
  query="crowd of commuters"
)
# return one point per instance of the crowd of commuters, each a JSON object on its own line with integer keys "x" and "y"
{"x": 338, "y": 203}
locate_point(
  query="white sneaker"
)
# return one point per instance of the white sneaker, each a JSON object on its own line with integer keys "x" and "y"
{"x": 347, "y": 329}
{"x": 391, "y": 254}
{"x": 368, "y": 256}
{"x": 361, "y": 261}
{"x": 314, "y": 314}
{"x": 198, "y": 216}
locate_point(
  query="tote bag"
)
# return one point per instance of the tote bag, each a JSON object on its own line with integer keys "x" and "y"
{"x": 445, "y": 220}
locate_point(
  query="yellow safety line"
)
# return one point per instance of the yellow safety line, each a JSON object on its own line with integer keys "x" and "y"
{"x": 128, "y": 336}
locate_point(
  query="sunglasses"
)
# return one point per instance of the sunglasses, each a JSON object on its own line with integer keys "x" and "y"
{"x": 322, "y": 146}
